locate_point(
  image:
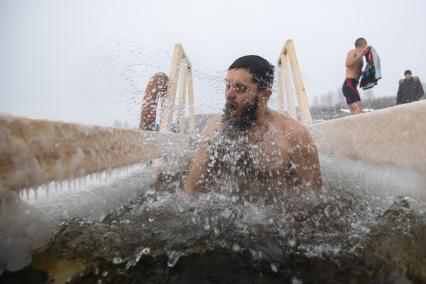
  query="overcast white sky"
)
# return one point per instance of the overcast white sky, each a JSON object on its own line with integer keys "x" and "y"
{"x": 89, "y": 61}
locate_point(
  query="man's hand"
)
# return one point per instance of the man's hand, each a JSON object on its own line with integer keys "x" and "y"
{"x": 198, "y": 168}
{"x": 364, "y": 50}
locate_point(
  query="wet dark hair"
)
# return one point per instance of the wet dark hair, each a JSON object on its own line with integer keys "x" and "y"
{"x": 407, "y": 72}
{"x": 261, "y": 70}
{"x": 360, "y": 41}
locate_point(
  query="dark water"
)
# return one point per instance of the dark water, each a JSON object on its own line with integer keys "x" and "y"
{"x": 339, "y": 236}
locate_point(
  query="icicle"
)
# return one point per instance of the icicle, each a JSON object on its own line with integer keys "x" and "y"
{"x": 30, "y": 194}
{"x": 27, "y": 194}
{"x": 47, "y": 191}
{"x": 85, "y": 180}
{"x": 18, "y": 199}
{"x": 3, "y": 206}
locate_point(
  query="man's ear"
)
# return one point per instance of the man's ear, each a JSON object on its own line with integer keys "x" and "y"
{"x": 265, "y": 95}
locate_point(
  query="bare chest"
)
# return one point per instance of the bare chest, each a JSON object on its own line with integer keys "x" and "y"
{"x": 263, "y": 158}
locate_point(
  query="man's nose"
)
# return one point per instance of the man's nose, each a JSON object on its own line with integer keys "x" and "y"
{"x": 230, "y": 93}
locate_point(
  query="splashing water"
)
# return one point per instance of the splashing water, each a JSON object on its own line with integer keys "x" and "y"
{"x": 350, "y": 231}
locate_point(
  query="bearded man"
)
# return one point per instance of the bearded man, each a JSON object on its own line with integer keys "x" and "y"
{"x": 250, "y": 149}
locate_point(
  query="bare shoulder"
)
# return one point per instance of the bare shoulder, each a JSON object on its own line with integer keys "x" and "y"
{"x": 351, "y": 53}
{"x": 213, "y": 124}
{"x": 207, "y": 135}
{"x": 291, "y": 128}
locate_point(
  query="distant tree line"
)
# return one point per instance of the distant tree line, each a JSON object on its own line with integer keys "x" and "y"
{"x": 326, "y": 106}
{"x": 119, "y": 124}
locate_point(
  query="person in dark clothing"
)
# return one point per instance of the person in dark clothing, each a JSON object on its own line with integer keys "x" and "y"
{"x": 410, "y": 89}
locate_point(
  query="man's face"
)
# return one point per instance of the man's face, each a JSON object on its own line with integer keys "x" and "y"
{"x": 363, "y": 45}
{"x": 408, "y": 76}
{"x": 241, "y": 93}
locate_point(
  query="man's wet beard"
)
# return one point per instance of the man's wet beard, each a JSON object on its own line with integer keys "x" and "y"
{"x": 238, "y": 125}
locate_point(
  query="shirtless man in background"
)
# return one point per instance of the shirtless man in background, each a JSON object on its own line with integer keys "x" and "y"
{"x": 354, "y": 63}
{"x": 250, "y": 149}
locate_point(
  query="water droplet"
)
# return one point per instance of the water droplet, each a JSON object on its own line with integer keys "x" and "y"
{"x": 274, "y": 267}
{"x": 105, "y": 273}
{"x": 236, "y": 247}
{"x": 216, "y": 231}
{"x": 140, "y": 253}
{"x": 117, "y": 260}
{"x": 327, "y": 211}
{"x": 130, "y": 263}
{"x": 173, "y": 258}
{"x": 146, "y": 251}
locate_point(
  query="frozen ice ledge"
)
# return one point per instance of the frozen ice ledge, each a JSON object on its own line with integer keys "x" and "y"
{"x": 392, "y": 136}
{"x": 36, "y": 152}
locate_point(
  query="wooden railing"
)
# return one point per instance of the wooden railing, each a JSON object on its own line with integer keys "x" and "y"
{"x": 180, "y": 75}
{"x": 288, "y": 73}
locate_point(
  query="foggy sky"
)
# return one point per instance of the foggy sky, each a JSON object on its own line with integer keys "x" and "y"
{"x": 89, "y": 61}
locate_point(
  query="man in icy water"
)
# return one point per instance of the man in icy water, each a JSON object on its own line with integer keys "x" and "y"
{"x": 252, "y": 150}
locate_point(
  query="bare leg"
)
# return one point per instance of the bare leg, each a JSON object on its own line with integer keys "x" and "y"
{"x": 356, "y": 107}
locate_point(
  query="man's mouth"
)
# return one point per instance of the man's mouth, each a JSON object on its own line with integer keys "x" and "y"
{"x": 232, "y": 109}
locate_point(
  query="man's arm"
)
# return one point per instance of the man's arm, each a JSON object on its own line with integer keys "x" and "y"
{"x": 198, "y": 169}
{"x": 352, "y": 58}
{"x": 398, "y": 96}
{"x": 420, "y": 91}
{"x": 306, "y": 161}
